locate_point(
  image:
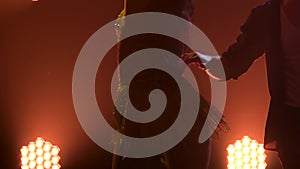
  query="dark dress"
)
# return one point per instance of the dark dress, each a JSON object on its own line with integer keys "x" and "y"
{"x": 188, "y": 154}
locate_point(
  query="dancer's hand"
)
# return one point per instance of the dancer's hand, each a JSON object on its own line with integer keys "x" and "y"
{"x": 193, "y": 58}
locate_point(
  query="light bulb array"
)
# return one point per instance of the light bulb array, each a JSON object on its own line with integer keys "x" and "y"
{"x": 40, "y": 154}
{"x": 246, "y": 154}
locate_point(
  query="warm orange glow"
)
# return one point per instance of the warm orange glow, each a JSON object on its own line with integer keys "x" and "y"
{"x": 40, "y": 155}
{"x": 246, "y": 154}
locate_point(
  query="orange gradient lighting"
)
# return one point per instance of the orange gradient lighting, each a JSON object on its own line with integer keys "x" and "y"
{"x": 40, "y": 155}
{"x": 246, "y": 154}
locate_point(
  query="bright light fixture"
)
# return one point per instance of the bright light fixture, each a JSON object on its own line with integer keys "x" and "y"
{"x": 40, "y": 155}
{"x": 246, "y": 154}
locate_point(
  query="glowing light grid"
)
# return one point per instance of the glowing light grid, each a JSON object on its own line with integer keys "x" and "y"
{"x": 246, "y": 154}
{"x": 40, "y": 154}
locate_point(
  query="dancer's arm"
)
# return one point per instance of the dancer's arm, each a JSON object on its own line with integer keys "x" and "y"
{"x": 249, "y": 45}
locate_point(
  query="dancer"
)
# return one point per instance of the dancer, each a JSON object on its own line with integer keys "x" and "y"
{"x": 189, "y": 154}
{"x": 273, "y": 29}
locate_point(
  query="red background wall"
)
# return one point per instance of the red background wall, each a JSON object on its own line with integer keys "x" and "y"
{"x": 39, "y": 44}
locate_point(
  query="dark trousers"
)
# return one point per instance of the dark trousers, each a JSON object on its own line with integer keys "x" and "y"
{"x": 288, "y": 143}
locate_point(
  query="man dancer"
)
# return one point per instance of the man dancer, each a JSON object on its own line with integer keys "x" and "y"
{"x": 274, "y": 29}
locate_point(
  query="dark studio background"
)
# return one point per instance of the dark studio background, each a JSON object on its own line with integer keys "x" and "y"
{"x": 39, "y": 44}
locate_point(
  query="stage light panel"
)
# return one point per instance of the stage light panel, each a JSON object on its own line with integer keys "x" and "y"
{"x": 246, "y": 154}
{"x": 40, "y": 154}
